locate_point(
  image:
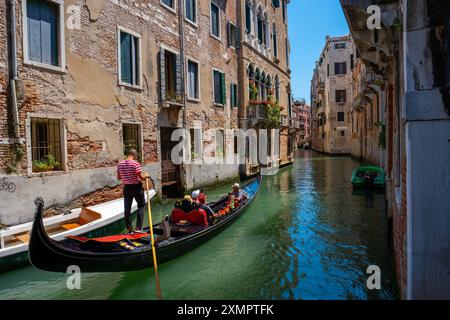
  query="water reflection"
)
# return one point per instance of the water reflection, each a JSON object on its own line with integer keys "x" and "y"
{"x": 308, "y": 235}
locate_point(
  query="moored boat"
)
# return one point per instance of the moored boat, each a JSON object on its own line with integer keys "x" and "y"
{"x": 368, "y": 177}
{"x": 120, "y": 253}
{"x": 98, "y": 220}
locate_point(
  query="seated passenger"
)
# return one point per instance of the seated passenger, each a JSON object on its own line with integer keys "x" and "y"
{"x": 200, "y": 198}
{"x": 187, "y": 205}
{"x": 237, "y": 193}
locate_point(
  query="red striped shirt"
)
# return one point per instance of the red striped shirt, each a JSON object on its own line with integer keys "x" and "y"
{"x": 129, "y": 171}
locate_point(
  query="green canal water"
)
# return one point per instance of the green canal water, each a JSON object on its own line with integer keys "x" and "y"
{"x": 306, "y": 236}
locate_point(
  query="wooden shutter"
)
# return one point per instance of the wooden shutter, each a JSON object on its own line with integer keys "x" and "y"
{"x": 178, "y": 76}
{"x": 229, "y": 40}
{"x": 231, "y": 95}
{"x": 238, "y": 37}
{"x": 162, "y": 74}
{"x": 223, "y": 90}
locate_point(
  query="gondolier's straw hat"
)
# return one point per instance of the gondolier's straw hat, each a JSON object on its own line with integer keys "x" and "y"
{"x": 236, "y": 185}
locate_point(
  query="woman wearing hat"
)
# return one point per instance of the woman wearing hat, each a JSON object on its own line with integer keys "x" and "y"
{"x": 200, "y": 199}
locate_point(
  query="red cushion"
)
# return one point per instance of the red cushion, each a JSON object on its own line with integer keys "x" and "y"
{"x": 196, "y": 217}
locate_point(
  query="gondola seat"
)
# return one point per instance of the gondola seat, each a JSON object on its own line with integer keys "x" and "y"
{"x": 86, "y": 216}
{"x": 196, "y": 217}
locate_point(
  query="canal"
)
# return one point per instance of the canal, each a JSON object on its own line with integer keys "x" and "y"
{"x": 307, "y": 236}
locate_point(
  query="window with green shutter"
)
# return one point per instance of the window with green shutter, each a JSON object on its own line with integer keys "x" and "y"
{"x": 233, "y": 95}
{"x": 220, "y": 95}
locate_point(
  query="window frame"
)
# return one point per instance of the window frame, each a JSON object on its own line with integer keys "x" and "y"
{"x": 189, "y": 98}
{"x": 194, "y": 23}
{"x": 336, "y": 95}
{"x": 219, "y": 37}
{"x": 119, "y": 60}
{"x": 63, "y": 133}
{"x": 340, "y": 113}
{"x": 214, "y": 91}
{"x": 141, "y": 138}
{"x": 60, "y": 37}
{"x": 340, "y": 63}
{"x": 174, "y": 9}
{"x": 235, "y": 87}
{"x": 233, "y": 35}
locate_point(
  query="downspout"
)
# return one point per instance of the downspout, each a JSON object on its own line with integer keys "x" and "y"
{"x": 409, "y": 237}
{"x": 13, "y": 76}
{"x": 183, "y": 76}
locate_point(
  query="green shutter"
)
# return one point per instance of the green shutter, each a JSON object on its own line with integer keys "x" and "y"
{"x": 223, "y": 89}
{"x": 162, "y": 74}
{"x": 179, "y": 87}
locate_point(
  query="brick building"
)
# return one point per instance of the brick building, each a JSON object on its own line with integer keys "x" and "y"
{"x": 403, "y": 80}
{"x": 302, "y": 121}
{"x": 331, "y": 90}
{"x": 82, "y": 81}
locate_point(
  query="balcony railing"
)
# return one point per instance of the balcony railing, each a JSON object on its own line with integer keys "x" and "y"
{"x": 284, "y": 121}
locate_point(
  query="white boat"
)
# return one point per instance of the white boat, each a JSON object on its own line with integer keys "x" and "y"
{"x": 94, "y": 221}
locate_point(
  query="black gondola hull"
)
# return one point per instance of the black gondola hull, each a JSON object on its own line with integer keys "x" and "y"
{"x": 49, "y": 255}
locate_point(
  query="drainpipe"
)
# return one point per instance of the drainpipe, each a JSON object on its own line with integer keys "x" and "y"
{"x": 13, "y": 76}
{"x": 183, "y": 69}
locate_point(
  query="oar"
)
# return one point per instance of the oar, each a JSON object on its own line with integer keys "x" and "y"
{"x": 155, "y": 262}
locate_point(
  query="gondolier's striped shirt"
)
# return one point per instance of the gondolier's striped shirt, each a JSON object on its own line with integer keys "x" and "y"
{"x": 129, "y": 171}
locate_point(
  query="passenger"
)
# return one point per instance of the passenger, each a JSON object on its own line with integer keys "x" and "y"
{"x": 237, "y": 193}
{"x": 187, "y": 205}
{"x": 200, "y": 198}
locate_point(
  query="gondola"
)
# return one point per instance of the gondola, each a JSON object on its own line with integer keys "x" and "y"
{"x": 129, "y": 252}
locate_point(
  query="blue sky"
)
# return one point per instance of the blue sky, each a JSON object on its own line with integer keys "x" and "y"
{"x": 310, "y": 21}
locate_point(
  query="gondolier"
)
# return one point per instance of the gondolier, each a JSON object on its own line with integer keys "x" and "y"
{"x": 130, "y": 172}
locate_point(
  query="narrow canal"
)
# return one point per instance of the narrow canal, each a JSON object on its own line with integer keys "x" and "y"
{"x": 307, "y": 236}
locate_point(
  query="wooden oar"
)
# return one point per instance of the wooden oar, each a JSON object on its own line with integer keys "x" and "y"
{"x": 150, "y": 222}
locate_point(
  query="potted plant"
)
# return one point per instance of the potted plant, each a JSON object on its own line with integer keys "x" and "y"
{"x": 47, "y": 163}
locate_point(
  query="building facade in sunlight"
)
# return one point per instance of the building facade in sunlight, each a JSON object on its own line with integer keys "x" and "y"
{"x": 331, "y": 97}
{"x": 83, "y": 82}
{"x": 402, "y": 121}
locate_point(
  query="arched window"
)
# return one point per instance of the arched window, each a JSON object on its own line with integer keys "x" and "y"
{"x": 262, "y": 85}
{"x": 277, "y": 89}
{"x": 248, "y": 16}
{"x": 266, "y": 30}
{"x": 260, "y": 25}
{"x": 275, "y": 40}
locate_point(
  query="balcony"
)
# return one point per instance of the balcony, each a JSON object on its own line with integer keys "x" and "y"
{"x": 295, "y": 124}
{"x": 321, "y": 87}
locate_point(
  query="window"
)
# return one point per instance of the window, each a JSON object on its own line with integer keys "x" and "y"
{"x": 275, "y": 41}
{"x": 196, "y": 143}
{"x": 342, "y": 133}
{"x": 339, "y": 45}
{"x": 352, "y": 61}
{"x": 129, "y": 65}
{"x": 341, "y": 116}
{"x": 248, "y": 18}
{"x": 260, "y": 29}
{"x": 171, "y": 82}
{"x": 328, "y": 70}
{"x": 233, "y": 35}
{"x": 44, "y": 37}
{"x": 283, "y": 7}
{"x": 341, "y": 96}
{"x": 169, "y": 3}
{"x": 220, "y": 143}
{"x": 340, "y": 68}
{"x": 46, "y": 144}
{"x": 193, "y": 80}
{"x": 215, "y": 20}
{"x": 191, "y": 10}
{"x": 287, "y": 52}
{"x": 233, "y": 95}
{"x": 277, "y": 89}
{"x": 131, "y": 134}
{"x": 219, "y": 87}
{"x": 276, "y": 3}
